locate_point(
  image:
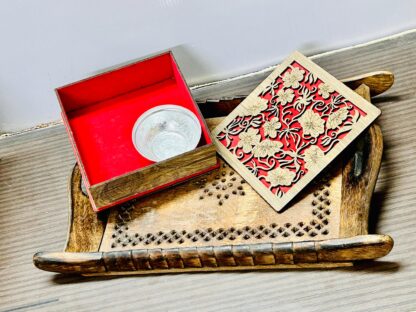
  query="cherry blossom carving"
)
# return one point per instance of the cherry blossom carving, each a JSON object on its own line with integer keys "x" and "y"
{"x": 325, "y": 90}
{"x": 337, "y": 118}
{"x": 280, "y": 176}
{"x": 267, "y": 148}
{"x": 248, "y": 139}
{"x": 271, "y": 127}
{"x": 312, "y": 156}
{"x": 312, "y": 123}
{"x": 285, "y": 96}
{"x": 257, "y": 107}
{"x": 293, "y": 78}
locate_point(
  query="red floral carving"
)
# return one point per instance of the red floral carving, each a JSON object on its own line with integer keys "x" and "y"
{"x": 294, "y": 122}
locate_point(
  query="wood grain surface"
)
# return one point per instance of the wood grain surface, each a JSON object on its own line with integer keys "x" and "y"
{"x": 364, "y": 165}
{"x": 35, "y": 166}
{"x": 221, "y": 209}
{"x": 208, "y": 258}
{"x": 153, "y": 176}
{"x": 86, "y": 226}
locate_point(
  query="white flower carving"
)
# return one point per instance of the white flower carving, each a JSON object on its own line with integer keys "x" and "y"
{"x": 312, "y": 123}
{"x": 285, "y": 96}
{"x": 270, "y": 127}
{"x": 256, "y": 107}
{"x": 280, "y": 176}
{"x": 267, "y": 148}
{"x": 292, "y": 79}
{"x": 336, "y": 119}
{"x": 325, "y": 90}
{"x": 312, "y": 156}
{"x": 248, "y": 139}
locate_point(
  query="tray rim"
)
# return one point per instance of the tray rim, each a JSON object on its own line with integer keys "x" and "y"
{"x": 352, "y": 236}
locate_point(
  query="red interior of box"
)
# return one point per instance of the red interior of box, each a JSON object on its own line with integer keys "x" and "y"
{"x": 100, "y": 113}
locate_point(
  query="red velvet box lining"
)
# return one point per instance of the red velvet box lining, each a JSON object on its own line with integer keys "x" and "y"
{"x": 100, "y": 112}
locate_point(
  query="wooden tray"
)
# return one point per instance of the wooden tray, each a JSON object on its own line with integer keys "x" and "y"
{"x": 218, "y": 222}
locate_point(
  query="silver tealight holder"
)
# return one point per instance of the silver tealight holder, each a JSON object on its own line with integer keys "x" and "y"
{"x": 166, "y": 131}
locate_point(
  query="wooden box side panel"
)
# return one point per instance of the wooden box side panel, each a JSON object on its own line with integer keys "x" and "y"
{"x": 151, "y": 178}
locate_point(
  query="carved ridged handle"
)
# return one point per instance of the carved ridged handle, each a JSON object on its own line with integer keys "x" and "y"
{"x": 362, "y": 247}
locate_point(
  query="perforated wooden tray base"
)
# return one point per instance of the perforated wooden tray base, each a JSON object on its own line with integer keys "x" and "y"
{"x": 221, "y": 208}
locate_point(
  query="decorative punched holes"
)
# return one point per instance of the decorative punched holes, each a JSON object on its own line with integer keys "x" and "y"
{"x": 223, "y": 185}
{"x": 317, "y": 225}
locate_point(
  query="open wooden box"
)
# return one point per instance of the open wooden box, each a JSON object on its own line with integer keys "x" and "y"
{"x": 99, "y": 113}
{"x": 217, "y": 222}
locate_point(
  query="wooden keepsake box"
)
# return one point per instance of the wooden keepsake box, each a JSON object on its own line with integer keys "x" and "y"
{"x": 99, "y": 114}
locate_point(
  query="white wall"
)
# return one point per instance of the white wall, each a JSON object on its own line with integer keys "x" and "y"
{"x": 47, "y": 43}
